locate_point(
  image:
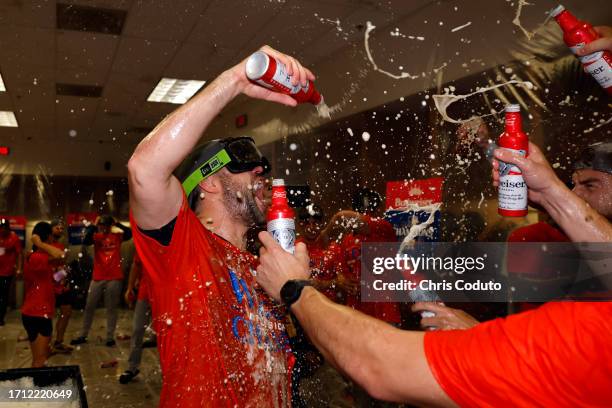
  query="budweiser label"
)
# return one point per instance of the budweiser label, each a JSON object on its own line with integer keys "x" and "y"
{"x": 283, "y": 231}
{"x": 601, "y": 71}
{"x": 512, "y": 187}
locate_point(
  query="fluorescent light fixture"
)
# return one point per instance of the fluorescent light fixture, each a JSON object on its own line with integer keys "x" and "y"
{"x": 172, "y": 90}
{"x": 8, "y": 119}
{"x": 2, "y": 87}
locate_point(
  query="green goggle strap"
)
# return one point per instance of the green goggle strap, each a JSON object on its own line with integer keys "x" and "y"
{"x": 212, "y": 165}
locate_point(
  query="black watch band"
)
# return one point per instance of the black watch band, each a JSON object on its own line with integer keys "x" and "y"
{"x": 291, "y": 291}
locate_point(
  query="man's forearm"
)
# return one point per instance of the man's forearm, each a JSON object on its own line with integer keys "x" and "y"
{"x": 578, "y": 220}
{"x": 389, "y": 363}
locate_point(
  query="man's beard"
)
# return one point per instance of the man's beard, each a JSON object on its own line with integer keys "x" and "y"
{"x": 239, "y": 201}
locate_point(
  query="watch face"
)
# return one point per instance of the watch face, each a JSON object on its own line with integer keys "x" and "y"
{"x": 289, "y": 292}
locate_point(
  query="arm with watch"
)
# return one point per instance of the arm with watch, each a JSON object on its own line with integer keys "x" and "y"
{"x": 389, "y": 363}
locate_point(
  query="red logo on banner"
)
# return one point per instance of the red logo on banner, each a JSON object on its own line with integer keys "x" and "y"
{"x": 400, "y": 194}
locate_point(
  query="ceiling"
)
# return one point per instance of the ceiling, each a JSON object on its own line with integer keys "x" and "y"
{"x": 186, "y": 39}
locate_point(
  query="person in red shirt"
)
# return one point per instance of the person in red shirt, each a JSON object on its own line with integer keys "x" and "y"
{"x": 137, "y": 281}
{"x": 367, "y": 202}
{"x": 556, "y": 355}
{"x": 11, "y": 261}
{"x": 63, "y": 292}
{"x": 221, "y": 342}
{"x": 107, "y": 277}
{"x": 39, "y": 299}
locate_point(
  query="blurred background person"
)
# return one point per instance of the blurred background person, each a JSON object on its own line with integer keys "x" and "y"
{"x": 11, "y": 262}
{"x": 107, "y": 275}
{"x": 39, "y": 300}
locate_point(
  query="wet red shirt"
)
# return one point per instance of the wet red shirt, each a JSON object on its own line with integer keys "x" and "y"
{"x": 39, "y": 299}
{"x": 220, "y": 342}
{"x": 326, "y": 264}
{"x": 107, "y": 256}
{"x": 556, "y": 355}
{"x": 10, "y": 247}
{"x": 380, "y": 230}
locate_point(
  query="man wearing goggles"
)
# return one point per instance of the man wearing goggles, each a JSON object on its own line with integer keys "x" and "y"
{"x": 220, "y": 341}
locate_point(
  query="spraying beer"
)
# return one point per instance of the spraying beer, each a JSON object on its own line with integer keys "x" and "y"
{"x": 281, "y": 217}
{"x": 512, "y": 187}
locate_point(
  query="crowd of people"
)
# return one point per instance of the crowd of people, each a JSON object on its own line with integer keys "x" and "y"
{"x": 272, "y": 328}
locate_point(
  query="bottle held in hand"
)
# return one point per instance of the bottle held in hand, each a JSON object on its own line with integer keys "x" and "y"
{"x": 281, "y": 217}
{"x": 270, "y": 73}
{"x": 512, "y": 187}
{"x": 576, "y": 35}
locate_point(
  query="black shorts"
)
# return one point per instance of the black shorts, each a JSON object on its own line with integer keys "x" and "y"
{"x": 36, "y": 325}
{"x": 63, "y": 299}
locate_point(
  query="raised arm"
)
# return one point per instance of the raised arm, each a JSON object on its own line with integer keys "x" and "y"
{"x": 155, "y": 194}
{"x": 127, "y": 231}
{"x": 578, "y": 220}
{"x": 389, "y": 363}
{"x": 53, "y": 252}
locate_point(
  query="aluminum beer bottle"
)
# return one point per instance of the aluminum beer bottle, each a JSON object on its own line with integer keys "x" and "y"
{"x": 512, "y": 188}
{"x": 281, "y": 217}
{"x": 576, "y": 35}
{"x": 270, "y": 73}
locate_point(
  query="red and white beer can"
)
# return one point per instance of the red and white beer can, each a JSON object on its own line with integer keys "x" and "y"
{"x": 270, "y": 73}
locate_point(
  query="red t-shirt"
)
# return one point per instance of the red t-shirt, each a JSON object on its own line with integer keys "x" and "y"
{"x": 326, "y": 264}
{"x": 380, "y": 230}
{"x": 538, "y": 232}
{"x": 220, "y": 342}
{"x": 10, "y": 247}
{"x": 556, "y": 355}
{"x": 39, "y": 300}
{"x": 107, "y": 256}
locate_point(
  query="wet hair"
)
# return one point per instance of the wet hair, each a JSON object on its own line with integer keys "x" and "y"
{"x": 597, "y": 157}
{"x": 43, "y": 230}
{"x": 366, "y": 200}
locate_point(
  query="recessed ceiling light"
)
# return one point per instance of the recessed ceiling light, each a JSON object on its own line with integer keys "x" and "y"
{"x": 172, "y": 90}
{"x": 8, "y": 119}
{"x": 2, "y": 87}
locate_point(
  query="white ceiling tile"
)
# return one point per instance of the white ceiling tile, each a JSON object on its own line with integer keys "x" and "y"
{"x": 83, "y": 50}
{"x": 143, "y": 56}
{"x": 162, "y": 19}
{"x": 32, "y": 13}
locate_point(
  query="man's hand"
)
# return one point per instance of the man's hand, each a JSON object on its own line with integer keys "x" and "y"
{"x": 601, "y": 44}
{"x": 537, "y": 172}
{"x": 129, "y": 297}
{"x": 277, "y": 266}
{"x": 446, "y": 318}
{"x": 298, "y": 74}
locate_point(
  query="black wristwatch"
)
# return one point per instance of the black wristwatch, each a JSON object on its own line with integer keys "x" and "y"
{"x": 291, "y": 291}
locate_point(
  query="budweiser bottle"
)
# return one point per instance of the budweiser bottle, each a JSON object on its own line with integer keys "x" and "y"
{"x": 270, "y": 73}
{"x": 281, "y": 217}
{"x": 576, "y": 35}
{"x": 512, "y": 187}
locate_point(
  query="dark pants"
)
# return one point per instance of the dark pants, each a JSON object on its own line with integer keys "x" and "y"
{"x": 5, "y": 288}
